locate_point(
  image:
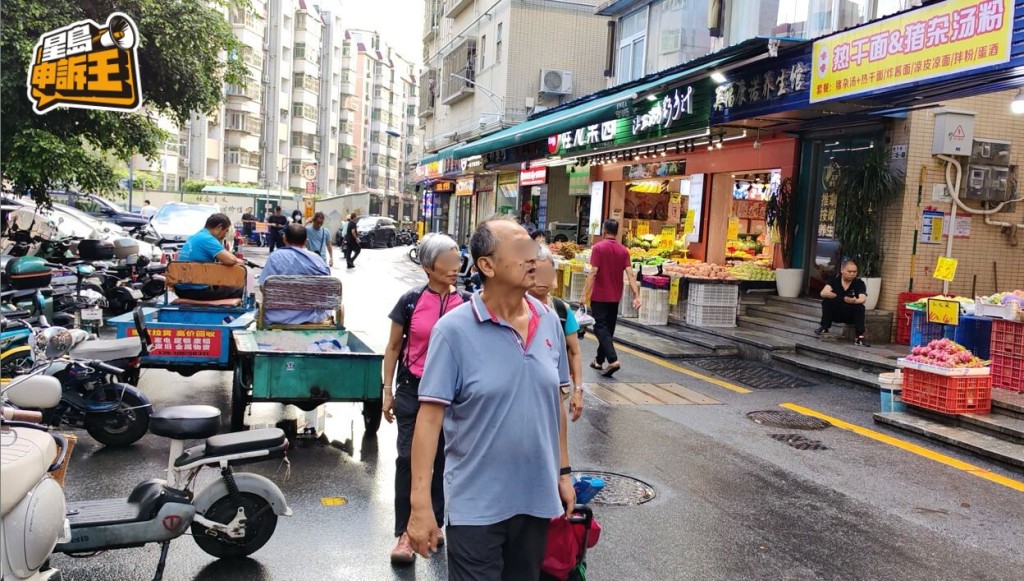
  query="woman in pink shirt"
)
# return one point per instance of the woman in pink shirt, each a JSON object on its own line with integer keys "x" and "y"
{"x": 412, "y": 319}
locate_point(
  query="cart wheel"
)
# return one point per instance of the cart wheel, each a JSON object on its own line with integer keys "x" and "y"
{"x": 372, "y": 413}
{"x": 239, "y": 401}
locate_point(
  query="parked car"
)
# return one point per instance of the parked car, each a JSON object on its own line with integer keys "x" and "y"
{"x": 176, "y": 221}
{"x": 98, "y": 207}
{"x": 377, "y": 232}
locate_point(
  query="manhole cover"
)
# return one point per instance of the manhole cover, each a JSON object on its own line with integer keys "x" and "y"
{"x": 749, "y": 373}
{"x": 620, "y": 490}
{"x": 787, "y": 419}
{"x": 799, "y": 442}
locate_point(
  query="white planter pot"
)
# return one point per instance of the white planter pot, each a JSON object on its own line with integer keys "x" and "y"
{"x": 874, "y": 290}
{"x": 789, "y": 282}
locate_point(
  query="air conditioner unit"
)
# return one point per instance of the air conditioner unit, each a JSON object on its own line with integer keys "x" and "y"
{"x": 554, "y": 82}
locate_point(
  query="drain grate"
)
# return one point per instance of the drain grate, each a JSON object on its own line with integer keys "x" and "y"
{"x": 799, "y": 442}
{"x": 787, "y": 420}
{"x": 621, "y": 490}
{"x": 749, "y": 373}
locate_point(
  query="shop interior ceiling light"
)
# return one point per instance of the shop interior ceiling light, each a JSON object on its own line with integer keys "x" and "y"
{"x": 1017, "y": 106}
{"x": 718, "y": 77}
{"x": 757, "y": 140}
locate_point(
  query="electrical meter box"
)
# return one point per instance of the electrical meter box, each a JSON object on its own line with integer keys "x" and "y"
{"x": 990, "y": 152}
{"x": 988, "y": 183}
{"x": 954, "y": 133}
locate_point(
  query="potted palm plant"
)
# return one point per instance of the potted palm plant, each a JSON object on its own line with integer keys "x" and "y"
{"x": 864, "y": 190}
{"x": 780, "y": 217}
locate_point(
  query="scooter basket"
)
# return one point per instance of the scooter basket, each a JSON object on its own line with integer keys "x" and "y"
{"x": 61, "y": 472}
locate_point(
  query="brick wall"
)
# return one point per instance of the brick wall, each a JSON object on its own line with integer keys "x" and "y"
{"x": 987, "y": 253}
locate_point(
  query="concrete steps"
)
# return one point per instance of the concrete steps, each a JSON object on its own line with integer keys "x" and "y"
{"x": 834, "y": 372}
{"x": 997, "y": 436}
{"x": 660, "y": 346}
{"x": 718, "y": 345}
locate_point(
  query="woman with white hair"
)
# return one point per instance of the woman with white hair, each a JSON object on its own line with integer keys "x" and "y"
{"x": 412, "y": 319}
{"x": 546, "y": 277}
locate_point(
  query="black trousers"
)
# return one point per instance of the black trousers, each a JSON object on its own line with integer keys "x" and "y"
{"x": 352, "y": 250}
{"x": 212, "y": 293}
{"x": 407, "y": 405}
{"x": 511, "y": 550}
{"x": 605, "y": 316}
{"x": 839, "y": 312}
{"x": 274, "y": 239}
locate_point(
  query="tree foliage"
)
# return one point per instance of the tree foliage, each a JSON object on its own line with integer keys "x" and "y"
{"x": 183, "y": 48}
{"x": 865, "y": 188}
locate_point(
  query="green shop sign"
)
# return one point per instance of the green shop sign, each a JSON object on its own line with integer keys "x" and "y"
{"x": 682, "y": 109}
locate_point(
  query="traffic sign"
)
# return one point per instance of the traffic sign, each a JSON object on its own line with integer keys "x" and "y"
{"x": 309, "y": 171}
{"x": 310, "y": 187}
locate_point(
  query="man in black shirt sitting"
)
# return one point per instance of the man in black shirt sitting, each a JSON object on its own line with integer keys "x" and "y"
{"x": 843, "y": 301}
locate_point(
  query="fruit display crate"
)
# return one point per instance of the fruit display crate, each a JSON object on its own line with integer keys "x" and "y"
{"x": 1007, "y": 312}
{"x": 1007, "y": 338}
{"x": 1008, "y": 372}
{"x": 975, "y": 335}
{"x": 654, "y": 306}
{"x": 576, "y": 282}
{"x": 713, "y": 295}
{"x": 946, "y": 394}
{"x": 904, "y": 316}
{"x": 922, "y": 332}
{"x": 705, "y": 316}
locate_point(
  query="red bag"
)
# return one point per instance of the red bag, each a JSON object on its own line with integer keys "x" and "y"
{"x": 565, "y": 544}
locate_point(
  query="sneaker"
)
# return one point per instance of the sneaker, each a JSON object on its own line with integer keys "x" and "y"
{"x": 821, "y": 331}
{"x": 860, "y": 342}
{"x": 403, "y": 554}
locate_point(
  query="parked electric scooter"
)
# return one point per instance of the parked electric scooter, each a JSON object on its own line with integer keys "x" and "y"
{"x": 32, "y": 505}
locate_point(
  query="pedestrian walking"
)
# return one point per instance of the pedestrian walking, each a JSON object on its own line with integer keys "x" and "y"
{"x": 352, "y": 246}
{"x": 412, "y": 319}
{"x": 248, "y": 225}
{"x": 277, "y": 222}
{"x": 493, "y": 378}
{"x": 148, "y": 210}
{"x": 318, "y": 238}
{"x": 609, "y": 259}
{"x": 546, "y": 278}
{"x": 297, "y": 217}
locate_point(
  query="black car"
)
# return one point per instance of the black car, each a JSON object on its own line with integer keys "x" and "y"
{"x": 377, "y": 232}
{"x": 100, "y": 208}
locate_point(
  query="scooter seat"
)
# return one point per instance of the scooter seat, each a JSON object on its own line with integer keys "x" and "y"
{"x": 185, "y": 422}
{"x": 108, "y": 349}
{"x": 239, "y": 442}
{"x": 26, "y": 456}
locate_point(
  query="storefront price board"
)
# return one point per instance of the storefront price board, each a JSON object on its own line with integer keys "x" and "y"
{"x": 688, "y": 225}
{"x": 945, "y": 269}
{"x": 643, "y": 228}
{"x": 668, "y": 238}
{"x": 673, "y": 292}
{"x": 943, "y": 311}
{"x": 734, "y": 229}
{"x": 566, "y": 279}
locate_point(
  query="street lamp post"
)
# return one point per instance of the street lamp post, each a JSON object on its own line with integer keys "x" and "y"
{"x": 496, "y": 99}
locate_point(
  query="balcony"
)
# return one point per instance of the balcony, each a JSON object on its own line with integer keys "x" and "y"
{"x": 457, "y": 7}
{"x": 430, "y": 34}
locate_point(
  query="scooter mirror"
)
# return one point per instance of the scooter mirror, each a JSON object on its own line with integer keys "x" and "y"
{"x": 36, "y": 392}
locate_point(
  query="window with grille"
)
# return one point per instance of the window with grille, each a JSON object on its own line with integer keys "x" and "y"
{"x": 459, "y": 72}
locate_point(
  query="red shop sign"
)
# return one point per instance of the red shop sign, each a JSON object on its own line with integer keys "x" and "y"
{"x": 184, "y": 342}
{"x": 536, "y": 176}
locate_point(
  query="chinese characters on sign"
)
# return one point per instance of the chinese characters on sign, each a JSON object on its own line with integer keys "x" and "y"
{"x": 663, "y": 114}
{"x": 87, "y": 66}
{"x": 943, "y": 39}
{"x": 184, "y": 342}
{"x": 595, "y": 134}
{"x": 464, "y": 187}
{"x": 760, "y": 88}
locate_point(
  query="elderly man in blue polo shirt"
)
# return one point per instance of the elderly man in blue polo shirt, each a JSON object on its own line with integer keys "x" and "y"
{"x": 293, "y": 259}
{"x": 493, "y": 377}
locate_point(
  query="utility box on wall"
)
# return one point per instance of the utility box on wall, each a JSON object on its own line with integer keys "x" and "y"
{"x": 954, "y": 133}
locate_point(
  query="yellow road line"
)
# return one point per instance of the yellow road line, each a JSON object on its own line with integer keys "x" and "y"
{"x": 683, "y": 370}
{"x": 913, "y": 448}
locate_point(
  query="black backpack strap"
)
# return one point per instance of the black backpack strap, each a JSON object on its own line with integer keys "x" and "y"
{"x": 562, "y": 309}
{"x": 411, "y": 299}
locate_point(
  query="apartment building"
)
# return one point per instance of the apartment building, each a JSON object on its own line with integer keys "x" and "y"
{"x": 377, "y": 131}
{"x": 488, "y": 64}
{"x": 286, "y": 115}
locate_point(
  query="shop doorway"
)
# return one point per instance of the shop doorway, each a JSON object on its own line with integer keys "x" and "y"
{"x": 737, "y": 230}
{"x": 827, "y": 156}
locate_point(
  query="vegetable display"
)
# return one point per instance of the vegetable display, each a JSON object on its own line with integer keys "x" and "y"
{"x": 945, "y": 353}
{"x": 1016, "y": 296}
{"x": 566, "y": 250}
{"x": 751, "y": 271}
{"x": 698, "y": 270}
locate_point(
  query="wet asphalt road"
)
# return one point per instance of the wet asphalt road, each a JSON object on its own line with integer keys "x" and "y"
{"x": 731, "y": 502}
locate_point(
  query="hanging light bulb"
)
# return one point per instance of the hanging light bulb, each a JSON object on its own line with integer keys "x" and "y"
{"x": 757, "y": 140}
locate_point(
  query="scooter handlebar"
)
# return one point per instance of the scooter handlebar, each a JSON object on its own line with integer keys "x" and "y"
{"x": 106, "y": 368}
{"x": 16, "y": 415}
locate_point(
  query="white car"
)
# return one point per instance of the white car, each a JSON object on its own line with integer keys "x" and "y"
{"x": 64, "y": 221}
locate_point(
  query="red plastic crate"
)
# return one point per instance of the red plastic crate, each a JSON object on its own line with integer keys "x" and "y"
{"x": 948, "y": 395}
{"x": 1007, "y": 338}
{"x": 905, "y": 315}
{"x": 1008, "y": 372}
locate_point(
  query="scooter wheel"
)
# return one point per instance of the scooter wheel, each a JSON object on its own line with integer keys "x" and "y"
{"x": 259, "y": 527}
{"x": 123, "y": 426}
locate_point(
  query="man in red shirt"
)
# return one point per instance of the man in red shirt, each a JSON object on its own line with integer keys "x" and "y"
{"x": 608, "y": 260}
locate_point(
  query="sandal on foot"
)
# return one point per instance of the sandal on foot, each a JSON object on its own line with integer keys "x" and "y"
{"x": 610, "y": 371}
{"x": 595, "y": 365}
